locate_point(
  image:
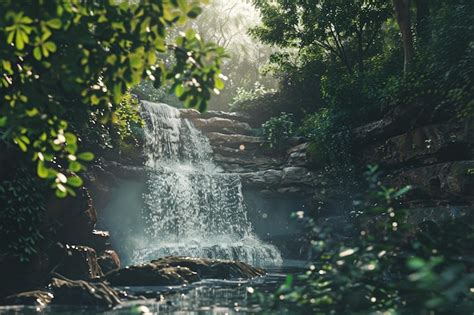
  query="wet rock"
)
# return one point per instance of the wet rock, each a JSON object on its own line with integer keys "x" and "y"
{"x": 189, "y": 113}
{"x": 79, "y": 263}
{"x": 212, "y": 269}
{"x": 70, "y": 292}
{"x": 109, "y": 261}
{"x": 152, "y": 275}
{"x": 33, "y": 298}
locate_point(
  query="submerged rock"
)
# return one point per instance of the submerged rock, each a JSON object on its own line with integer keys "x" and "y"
{"x": 33, "y": 298}
{"x": 152, "y": 275}
{"x": 212, "y": 269}
{"x": 70, "y": 292}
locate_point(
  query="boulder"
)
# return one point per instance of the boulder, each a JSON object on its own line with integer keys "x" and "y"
{"x": 70, "y": 292}
{"x": 151, "y": 275}
{"x": 31, "y": 298}
{"x": 109, "y": 261}
{"x": 79, "y": 263}
{"x": 212, "y": 269}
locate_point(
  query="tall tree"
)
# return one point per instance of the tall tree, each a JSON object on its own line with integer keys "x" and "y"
{"x": 403, "y": 15}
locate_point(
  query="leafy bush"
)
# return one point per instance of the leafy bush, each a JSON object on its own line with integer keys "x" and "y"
{"x": 22, "y": 207}
{"x": 381, "y": 263}
{"x": 278, "y": 130}
{"x": 329, "y": 140}
{"x": 244, "y": 97}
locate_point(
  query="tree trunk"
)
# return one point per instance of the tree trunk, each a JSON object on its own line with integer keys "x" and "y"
{"x": 402, "y": 12}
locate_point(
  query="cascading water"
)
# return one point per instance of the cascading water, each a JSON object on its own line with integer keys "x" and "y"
{"x": 191, "y": 207}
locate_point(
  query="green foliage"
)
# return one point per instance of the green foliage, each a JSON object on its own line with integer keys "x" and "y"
{"x": 147, "y": 92}
{"x": 347, "y": 30}
{"x": 277, "y": 130}
{"x": 65, "y": 64}
{"x": 329, "y": 140}
{"x": 127, "y": 123}
{"x": 21, "y": 213}
{"x": 381, "y": 263}
{"x": 245, "y": 98}
{"x": 347, "y": 56}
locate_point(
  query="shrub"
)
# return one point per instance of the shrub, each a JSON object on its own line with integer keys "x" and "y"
{"x": 277, "y": 130}
{"x": 329, "y": 140}
{"x": 382, "y": 264}
{"x": 22, "y": 207}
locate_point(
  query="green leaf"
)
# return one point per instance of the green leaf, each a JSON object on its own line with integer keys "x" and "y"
{"x": 86, "y": 156}
{"x": 416, "y": 263}
{"x": 54, "y": 23}
{"x": 3, "y": 121}
{"x": 194, "y": 12}
{"x": 32, "y": 112}
{"x": 179, "y": 90}
{"x": 70, "y": 138}
{"x": 50, "y": 46}
{"x": 75, "y": 166}
{"x": 75, "y": 181}
{"x": 41, "y": 170}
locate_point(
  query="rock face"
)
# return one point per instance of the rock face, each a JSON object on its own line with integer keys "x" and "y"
{"x": 238, "y": 150}
{"x": 80, "y": 263}
{"x": 436, "y": 157}
{"x": 180, "y": 270}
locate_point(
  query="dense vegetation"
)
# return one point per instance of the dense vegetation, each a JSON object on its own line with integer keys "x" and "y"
{"x": 343, "y": 64}
{"x": 343, "y": 61}
{"x": 384, "y": 262}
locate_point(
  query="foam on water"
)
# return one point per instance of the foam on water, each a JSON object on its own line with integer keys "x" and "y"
{"x": 192, "y": 208}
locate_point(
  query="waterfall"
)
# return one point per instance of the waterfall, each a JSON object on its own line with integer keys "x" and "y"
{"x": 192, "y": 208}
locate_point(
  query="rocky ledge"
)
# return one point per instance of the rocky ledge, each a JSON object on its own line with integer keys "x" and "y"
{"x": 100, "y": 292}
{"x": 181, "y": 270}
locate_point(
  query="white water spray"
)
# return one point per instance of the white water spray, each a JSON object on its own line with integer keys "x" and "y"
{"x": 191, "y": 207}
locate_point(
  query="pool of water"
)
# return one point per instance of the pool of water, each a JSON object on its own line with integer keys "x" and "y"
{"x": 205, "y": 297}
